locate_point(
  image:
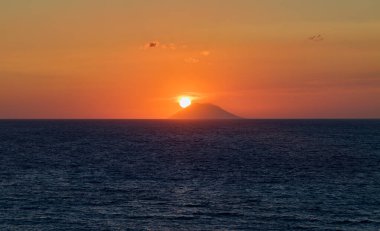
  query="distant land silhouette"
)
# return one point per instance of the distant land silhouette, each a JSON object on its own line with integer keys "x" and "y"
{"x": 204, "y": 111}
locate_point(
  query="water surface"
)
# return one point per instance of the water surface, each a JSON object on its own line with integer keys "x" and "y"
{"x": 189, "y": 175}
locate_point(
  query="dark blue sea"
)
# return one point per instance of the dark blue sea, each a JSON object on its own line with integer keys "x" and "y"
{"x": 190, "y": 175}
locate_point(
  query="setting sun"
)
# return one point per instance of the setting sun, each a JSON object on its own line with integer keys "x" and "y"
{"x": 184, "y": 101}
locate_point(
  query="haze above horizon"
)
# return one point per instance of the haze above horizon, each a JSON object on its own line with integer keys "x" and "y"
{"x": 133, "y": 59}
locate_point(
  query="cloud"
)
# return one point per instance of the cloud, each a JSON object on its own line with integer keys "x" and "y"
{"x": 316, "y": 38}
{"x": 197, "y": 58}
{"x": 157, "y": 44}
{"x": 170, "y": 46}
{"x": 192, "y": 60}
{"x": 153, "y": 44}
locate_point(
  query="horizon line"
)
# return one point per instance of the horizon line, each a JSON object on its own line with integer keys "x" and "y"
{"x": 258, "y": 118}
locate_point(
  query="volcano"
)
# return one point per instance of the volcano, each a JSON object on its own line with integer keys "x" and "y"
{"x": 204, "y": 111}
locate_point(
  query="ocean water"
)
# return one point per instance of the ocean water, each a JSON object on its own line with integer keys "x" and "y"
{"x": 190, "y": 175}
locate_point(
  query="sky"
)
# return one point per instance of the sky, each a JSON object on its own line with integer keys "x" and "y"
{"x": 133, "y": 58}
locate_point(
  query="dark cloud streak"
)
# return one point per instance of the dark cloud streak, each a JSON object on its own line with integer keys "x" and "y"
{"x": 317, "y": 38}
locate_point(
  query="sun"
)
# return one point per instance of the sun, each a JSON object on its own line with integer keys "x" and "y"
{"x": 184, "y": 101}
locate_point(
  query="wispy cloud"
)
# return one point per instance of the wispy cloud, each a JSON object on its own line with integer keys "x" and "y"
{"x": 192, "y": 60}
{"x": 159, "y": 45}
{"x": 205, "y": 53}
{"x": 197, "y": 58}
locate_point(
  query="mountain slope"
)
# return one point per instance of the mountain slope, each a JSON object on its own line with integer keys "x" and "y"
{"x": 204, "y": 111}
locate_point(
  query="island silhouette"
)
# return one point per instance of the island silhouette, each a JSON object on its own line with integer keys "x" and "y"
{"x": 204, "y": 111}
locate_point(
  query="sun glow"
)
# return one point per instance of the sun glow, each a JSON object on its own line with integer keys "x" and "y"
{"x": 184, "y": 101}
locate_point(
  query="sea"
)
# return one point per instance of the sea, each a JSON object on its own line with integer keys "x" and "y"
{"x": 190, "y": 175}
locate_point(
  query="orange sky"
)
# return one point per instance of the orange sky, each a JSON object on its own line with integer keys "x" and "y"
{"x": 131, "y": 59}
